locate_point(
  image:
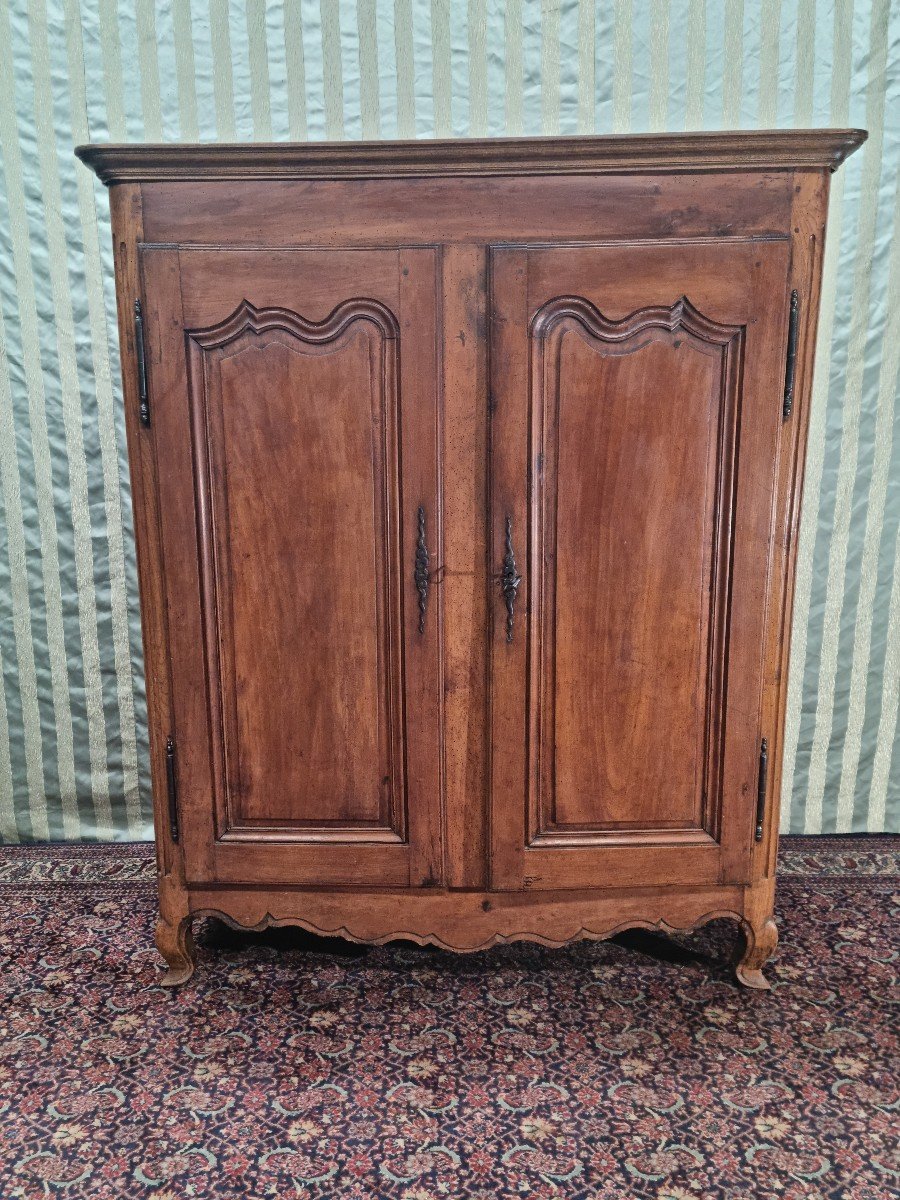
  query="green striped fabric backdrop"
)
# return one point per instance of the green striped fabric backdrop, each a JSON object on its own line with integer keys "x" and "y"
{"x": 73, "y": 753}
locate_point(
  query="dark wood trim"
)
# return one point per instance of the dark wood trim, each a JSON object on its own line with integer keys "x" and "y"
{"x": 742, "y": 150}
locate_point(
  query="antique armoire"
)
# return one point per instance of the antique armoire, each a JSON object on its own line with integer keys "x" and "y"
{"x": 466, "y": 487}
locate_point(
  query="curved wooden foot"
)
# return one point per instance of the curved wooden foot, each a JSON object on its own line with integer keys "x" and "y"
{"x": 175, "y": 942}
{"x": 759, "y": 948}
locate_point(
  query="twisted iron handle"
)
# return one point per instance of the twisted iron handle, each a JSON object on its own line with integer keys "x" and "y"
{"x": 509, "y": 581}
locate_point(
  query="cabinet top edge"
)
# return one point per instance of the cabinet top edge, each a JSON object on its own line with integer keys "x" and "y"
{"x": 740, "y": 150}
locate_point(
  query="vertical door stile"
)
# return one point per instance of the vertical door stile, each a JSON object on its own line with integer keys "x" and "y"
{"x": 510, "y": 504}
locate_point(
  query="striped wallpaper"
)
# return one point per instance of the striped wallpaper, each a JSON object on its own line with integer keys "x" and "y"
{"x": 73, "y": 753}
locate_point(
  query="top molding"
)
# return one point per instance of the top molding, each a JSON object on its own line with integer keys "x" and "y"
{"x": 778, "y": 149}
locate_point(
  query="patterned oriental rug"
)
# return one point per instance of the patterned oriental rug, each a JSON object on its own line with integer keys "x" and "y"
{"x": 299, "y": 1067}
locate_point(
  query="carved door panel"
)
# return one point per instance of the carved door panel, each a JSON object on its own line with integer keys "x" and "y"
{"x": 294, "y": 412}
{"x": 636, "y": 406}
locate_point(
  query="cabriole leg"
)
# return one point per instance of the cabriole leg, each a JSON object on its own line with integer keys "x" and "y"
{"x": 175, "y": 942}
{"x": 761, "y": 940}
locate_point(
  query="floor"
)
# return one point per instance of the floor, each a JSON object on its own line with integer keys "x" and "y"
{"x": 293, "y": 1067}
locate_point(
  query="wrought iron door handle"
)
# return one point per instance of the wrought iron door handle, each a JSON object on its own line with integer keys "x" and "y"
{"x": 420, "y": 572}
{"x": 509, "y": 581}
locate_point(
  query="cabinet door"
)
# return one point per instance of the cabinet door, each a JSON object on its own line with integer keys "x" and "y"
{"x": 293, "y": 409}
{"x": 636, "y": 400}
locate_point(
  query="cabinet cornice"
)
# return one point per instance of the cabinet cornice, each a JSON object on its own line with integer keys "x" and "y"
{"x": 596, "y": 155}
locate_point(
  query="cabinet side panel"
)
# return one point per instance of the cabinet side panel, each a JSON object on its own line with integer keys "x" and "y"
{"x": 809, "y": 216}
{"x": 127, "y": 222}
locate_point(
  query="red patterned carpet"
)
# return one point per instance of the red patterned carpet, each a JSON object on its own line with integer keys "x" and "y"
{"x": 293, "y": 1067}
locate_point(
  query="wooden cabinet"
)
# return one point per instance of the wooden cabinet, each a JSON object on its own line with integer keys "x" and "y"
{"x": 466, "y": 484}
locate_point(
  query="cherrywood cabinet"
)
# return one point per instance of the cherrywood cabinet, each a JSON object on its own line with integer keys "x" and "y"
{"x": 467, "y": 483}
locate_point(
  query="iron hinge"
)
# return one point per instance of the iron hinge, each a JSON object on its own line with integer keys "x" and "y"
{"x": 791, "y": 367}
{"x": 761, "y": 788}
{"x": 172, "y": 786}
{"x": 143, "y": 397}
